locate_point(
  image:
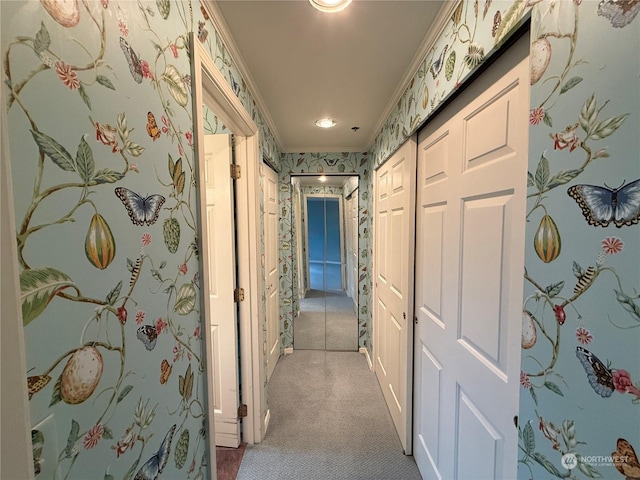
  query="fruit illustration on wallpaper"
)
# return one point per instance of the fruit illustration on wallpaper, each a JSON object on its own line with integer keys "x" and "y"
{"x": 539, "y": 59}
{"x": 81, "y": 375}
{"x": 547, "y": 242}
{"x": 65, "y": 12}
{"x": 99, "y": 245}
{"x": 529, "y": 333}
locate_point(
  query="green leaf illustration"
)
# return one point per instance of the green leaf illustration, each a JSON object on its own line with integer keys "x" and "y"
{"x": 588, "y": 114}
{"x": 569, "y": 434}
{"x": 56, "y": 395}
{"x": 562, "y": 177}
{"x": 628, "y": 304}
{"x": 107, "y": 433}
{"x": 578, "y": 271}
{"x": 42, "y": 40}
{"x": 554, "y": 388}
{"x": 176, "y": 86}
{"x": 554, "y": 289}
{"x": 84, "y": 96}
{"x": 163, "y": 8}
{"x": 125, "y": 391}
{"x": 587, "y": 469}
{"x": 529, "y": 438}
{"x": 133, "y": 148}
{"x": 572, "y": 82}
{"x": 72, "y": 438}
{"x": 54, "y": 151}
{"x": 542, "y": 173}
{"x": 105, "y": 82}
{"x": 107, "y": 175}
{"x": 114, "y": 293}
{"x": 533, "y": 395}
{"x": 544, "y": 461}
{"x": 547, "y": 119}
{"x": 185, "y": 299}
{"x": 606, "y": 128}
{"x": 38, "y": 287}
{"x": 530, "y": 180}
{"x": 84, "y": 161}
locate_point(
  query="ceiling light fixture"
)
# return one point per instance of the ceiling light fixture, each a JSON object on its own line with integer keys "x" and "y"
{"x": 330, "y": 5}
{"x": 322, "y": 178}
{"x": 326, "y": 123}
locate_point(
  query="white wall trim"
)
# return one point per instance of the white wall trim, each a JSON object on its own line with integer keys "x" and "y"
{"x": 435, "y": 32}
{"x": 288, "y": 350}
{"x": 365, "y": 352}
{"x": 211, "y": 87}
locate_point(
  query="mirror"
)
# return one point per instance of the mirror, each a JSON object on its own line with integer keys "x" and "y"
{"x": 325, "y": 232}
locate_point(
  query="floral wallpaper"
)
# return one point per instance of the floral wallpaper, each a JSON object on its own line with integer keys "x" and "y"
{"x": 98, "y": 100}
{"x": 291, "y": 163}
{"x": 581, "y": 312}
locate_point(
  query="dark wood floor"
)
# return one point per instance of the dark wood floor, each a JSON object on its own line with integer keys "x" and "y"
{"x": 228, "y": 461}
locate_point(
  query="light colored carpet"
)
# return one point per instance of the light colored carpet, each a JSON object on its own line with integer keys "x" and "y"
{"x": 327, "y": 321}
{"x": 328, "y": 422}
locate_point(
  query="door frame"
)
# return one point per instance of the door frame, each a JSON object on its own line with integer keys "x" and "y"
{"x": 210, "y": 87}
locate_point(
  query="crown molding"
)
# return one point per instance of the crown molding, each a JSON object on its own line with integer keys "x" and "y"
{"x": 322, "y": 150}
{"x": 227, "y": 38}
{"x": 430, "y": 39}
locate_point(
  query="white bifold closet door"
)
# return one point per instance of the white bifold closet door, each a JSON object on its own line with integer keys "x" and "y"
{"x": 471, "y": 195}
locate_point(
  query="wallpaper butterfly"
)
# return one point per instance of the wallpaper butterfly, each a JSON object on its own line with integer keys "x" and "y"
{"x": 152, "y": 127}
{"x": 619, "y": 12}
{"x": 142, "y": 211}
{"x": 626, "y": 460}
{"x": 148, "y": 335}
{"x": 602, "y": 205}
{"x": 135, "y": 66}
{"x": 155, "y": 465}
{"x": 436, "y": 66}
{"x": 598, "y": 374}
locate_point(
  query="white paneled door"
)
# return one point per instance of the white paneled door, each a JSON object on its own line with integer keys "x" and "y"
{"x": 271, "y": 267}
{"x": 394, "y": 191}
{"x": 470, "y": 226}
{"x": 222, "y": 280}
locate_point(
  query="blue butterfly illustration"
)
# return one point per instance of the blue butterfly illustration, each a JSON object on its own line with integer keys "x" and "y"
{"x": 135, "y": 66}
{"x": 598, "y": 374}
{"x": 155, "y": 465}
{"x": 619, "y": 12}
{"x": 436, "y": 66}
{"x": 148, "y": 335}
{"x": 602, "y": 205}
{"x": 142, "y": 211}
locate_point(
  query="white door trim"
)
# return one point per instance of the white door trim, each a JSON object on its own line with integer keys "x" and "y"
{"x": 210, "y": 87}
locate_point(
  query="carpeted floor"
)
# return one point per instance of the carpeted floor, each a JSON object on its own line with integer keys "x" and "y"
{"x": 328, "y": 422}
{"x": 327, "y": 321}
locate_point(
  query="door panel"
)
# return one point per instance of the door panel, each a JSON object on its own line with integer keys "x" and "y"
{"x": 393, "y": 261}
{"x": 222, "y": 280}
{"x": 469, "y": 261}
{"x": 272, "y": 284}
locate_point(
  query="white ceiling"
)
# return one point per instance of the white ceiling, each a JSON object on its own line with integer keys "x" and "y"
{"x": 302, "y": 64}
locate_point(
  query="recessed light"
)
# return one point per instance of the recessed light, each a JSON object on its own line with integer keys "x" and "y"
{"x": 330, "y": 5}
{"x": 322, "y": 178}
{"x": 326, "y": 123}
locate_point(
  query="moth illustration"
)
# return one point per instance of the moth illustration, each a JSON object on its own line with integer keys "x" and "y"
{"x": 165, "y": 371}
{"x": 603, "y": 205}
{"x": 598, "y": 374}
{"x": 152, "y": 127}
{"x": 619, "y": 12}
{"x": 148, "y": 335}
{"x": 141, "y": 210}
{"x": 626, "y": 460}
{"x": 135, "y": 66}
{"x": 153, "y": 467}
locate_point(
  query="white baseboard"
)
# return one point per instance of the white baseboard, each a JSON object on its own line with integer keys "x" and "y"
{"x": 288, "y": 350}
{"x": 267, "y": 418}
{"x": 364, "y": 351}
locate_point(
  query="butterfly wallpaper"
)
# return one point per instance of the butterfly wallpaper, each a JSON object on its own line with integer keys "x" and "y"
{"x": 98, "y": 102}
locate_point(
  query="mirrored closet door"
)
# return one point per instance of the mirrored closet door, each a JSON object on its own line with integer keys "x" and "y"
{"x": 325, "y": 224}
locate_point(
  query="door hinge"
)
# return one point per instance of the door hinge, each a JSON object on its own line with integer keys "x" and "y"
{"x": 235, "y": 172}
{"x": 242, "y": 411}
{"x": 238, "y": 295}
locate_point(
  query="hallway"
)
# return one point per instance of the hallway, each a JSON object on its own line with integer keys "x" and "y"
{"x": 328, "y": 421}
